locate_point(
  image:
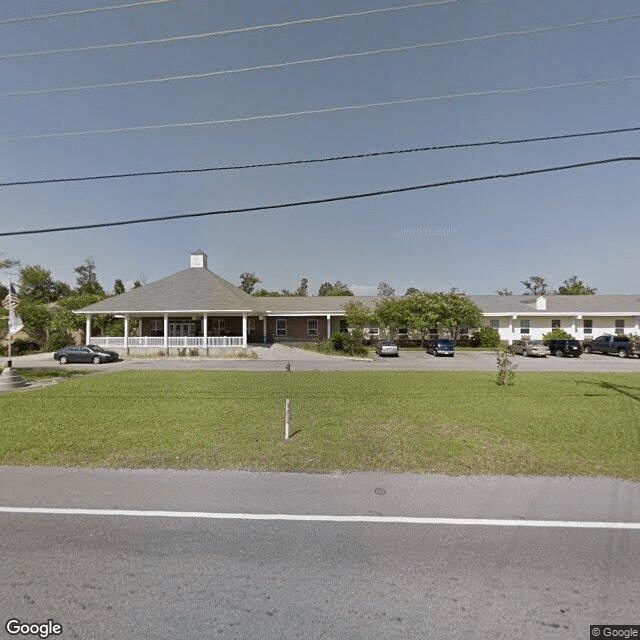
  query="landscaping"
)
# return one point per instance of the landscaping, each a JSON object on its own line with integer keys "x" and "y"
{"x": 436, "y": 422}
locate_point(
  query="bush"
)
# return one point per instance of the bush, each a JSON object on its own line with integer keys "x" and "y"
{"x": 506, "y": 368}
{"x": 194, "y": 353}
{"x": 182, "y": 353}
{"x": 20, "y": 346}
{"x": 486, "y": 337}
{"x": 338, "y": 341}
{"x": 557, "y": 334}
{"x": 58, "y": 341}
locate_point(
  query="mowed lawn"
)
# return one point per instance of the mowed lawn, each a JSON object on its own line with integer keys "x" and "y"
{"x": 444, "y": 422}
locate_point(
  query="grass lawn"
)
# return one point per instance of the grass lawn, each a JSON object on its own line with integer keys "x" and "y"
{"x": 445, "y": 422}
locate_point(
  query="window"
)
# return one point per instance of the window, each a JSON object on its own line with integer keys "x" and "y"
{"x": 157, "y": 328}
{"x": 464, "y": 331}
{"x": 312, "y": 327}
{"x": 403, "y": 331}
{"x": 494, "y": 324}
{"x": 555, "y": 324}
{"x": 343, "y": 326}
{"x": 252, "y": 327}
{"x": 620, "y": 326}
{"x": 588, "y": 326}
{"x": 281, "y": 327}
{"x": 217, "y": 326}
{"x": 525, "y": 326}
{"x": 374, "y": 331}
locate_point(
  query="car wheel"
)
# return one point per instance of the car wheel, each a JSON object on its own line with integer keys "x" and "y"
{"x": 96, "y": 359}
{"x": 559, "y": 353}
{"x": 622, "y": 353}
{"x": 63, "y": 359}
{"x": 524, "y": 353}
{"x": 587, "y": 349}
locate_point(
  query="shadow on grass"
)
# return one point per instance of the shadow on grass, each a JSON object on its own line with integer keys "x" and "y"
{"x": 622, "y": 389}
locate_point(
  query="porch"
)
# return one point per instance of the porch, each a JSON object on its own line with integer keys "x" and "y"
{"x": 170, "y": 342}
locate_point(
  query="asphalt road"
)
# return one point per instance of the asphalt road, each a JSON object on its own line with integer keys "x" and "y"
{"x": 183, "y": 575}
{"x": 276, "y": 357}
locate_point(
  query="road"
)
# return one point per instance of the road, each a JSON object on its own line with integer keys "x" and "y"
{"x": 275, "y": 358}
{"x": 198, "y": 571}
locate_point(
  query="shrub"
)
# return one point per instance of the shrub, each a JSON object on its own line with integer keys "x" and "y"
{"x": 486, "y": 337}
{"x": 506, "y": 368}
{"x": 58, "y": 341}
{"x": 194, "y": 353}
{"x": 21, "y": 346}
{"x": 338, "y": 341}
{"x": 182, "y": 353}
{"x": 557, "y": 334}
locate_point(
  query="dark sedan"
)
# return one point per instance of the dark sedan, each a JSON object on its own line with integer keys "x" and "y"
{"x": 85, "y": 353}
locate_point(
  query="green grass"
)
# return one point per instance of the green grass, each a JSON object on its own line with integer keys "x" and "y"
{"x": 445, "y": 422}
{"x": 39, "y": 374}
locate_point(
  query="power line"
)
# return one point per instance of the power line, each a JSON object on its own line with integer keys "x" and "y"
{"x": 292, "y": 114}
{"x": 372, "y": 154}
{"x": 76, "y": 12}
{"x": 335, "y": 57}
{"x": 225, "y": 32}
{"x": 302, "y": 203}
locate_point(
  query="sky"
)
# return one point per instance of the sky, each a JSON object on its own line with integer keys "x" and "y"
{"x": 478, "y": 237}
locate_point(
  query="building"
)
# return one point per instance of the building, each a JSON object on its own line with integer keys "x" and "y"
{"x": 196, "y": 308}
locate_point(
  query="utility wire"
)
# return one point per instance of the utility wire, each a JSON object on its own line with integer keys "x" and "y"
{"x": 291, "y": 63}
{"x": 301, "y": 203}
{"x": 292, "y": 114}
{"x": 225, "y": 32}
{"x": 76, "y": 12}
{"x": 372, "y": 154}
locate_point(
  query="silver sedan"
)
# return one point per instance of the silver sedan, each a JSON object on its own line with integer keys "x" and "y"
{"x": 530, "y": 348}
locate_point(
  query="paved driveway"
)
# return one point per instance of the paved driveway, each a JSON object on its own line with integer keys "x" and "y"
{"x": 276, "y": 358}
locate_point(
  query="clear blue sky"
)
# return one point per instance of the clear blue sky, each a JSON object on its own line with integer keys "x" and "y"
{"x": 476, "y": 237}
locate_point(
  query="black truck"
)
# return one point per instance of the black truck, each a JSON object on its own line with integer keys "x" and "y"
{"x": 621, "y": 346}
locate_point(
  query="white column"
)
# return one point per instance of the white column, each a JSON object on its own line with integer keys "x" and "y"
{"x": 126, "y": 330}
{"x": 205, "y": 329}
{"x": 88, "y": 329}
{"x": 244, "y": 329}
{"x": 264, "y": 328}
{"x": 329, "y": 326}
{"x": 166, "y": 330}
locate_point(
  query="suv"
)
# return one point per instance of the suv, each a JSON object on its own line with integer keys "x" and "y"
{"x": 562, "y": 348}
{"x": 440, "y": 347}
{"x": 618, "y": 345}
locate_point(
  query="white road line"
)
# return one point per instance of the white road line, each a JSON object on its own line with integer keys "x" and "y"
{"x": 323, "y": 518}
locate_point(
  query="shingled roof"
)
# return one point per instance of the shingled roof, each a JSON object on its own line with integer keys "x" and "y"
{"x": 193, "y": 290}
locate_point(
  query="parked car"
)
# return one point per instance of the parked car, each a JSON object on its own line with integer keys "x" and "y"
{"x": 562, "y": 348}
{"x": 441, "y": 347}
{"x": 387, "y": 348}
{"x": 85, "y": 353}
{"x": 621, "y": 346}
{"x": 530, "y": 348}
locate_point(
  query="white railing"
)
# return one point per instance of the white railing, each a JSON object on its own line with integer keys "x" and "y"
{"x": 173, "y": 343}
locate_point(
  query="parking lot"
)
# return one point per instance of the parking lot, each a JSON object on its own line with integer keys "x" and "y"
{"x": 276, "y": 358}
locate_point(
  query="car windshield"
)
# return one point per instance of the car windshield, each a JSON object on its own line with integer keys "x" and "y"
{"x": 536, "y": 343}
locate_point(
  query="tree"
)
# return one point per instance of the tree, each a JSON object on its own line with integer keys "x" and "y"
{"x": 574, "y": 287}
{"x": 37, "y": 285}
{"x": 87, "y": 278}
{"x": 248, "y": 281}
{"x": 557, "y": 334}
{"x": 303, "y": 289}
{"x": 412, "y": 291}
{"x": 336, "y": 289}
{"x": 36, "y": 317}
{"x": 358, "y": 316}
{"x": 385, "y": 290}
{"x": 7, "y": 263}
{"x": 118, "y": 287}
{"x": 456, "y": 310}
{"x": 535, "y": 285}
{"x": 505, "y": 292}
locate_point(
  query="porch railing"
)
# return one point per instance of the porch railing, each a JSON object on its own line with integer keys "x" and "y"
{"x": 137, "y": 342}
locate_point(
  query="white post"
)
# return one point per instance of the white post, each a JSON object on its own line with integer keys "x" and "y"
{"x": 88, "y": 329}
{"x": 287, "y": 418}
{"x": 244, "y": 330}
{"x": 126, "y": 331}
{"x": 264, "y": 329}
{"x": 205, "y": 329}
{"x": 166, "y": 330}
{"x": 328, "y": 326}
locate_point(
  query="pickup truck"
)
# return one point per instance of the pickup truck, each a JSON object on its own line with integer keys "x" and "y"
{"x": 619, "y": 345}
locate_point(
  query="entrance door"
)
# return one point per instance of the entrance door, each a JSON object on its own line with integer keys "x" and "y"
{"x": 182, "y": 329}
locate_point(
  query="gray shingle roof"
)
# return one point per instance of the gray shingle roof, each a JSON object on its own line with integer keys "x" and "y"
{"x": 609, "y": 304}
{"x": 195, "y": 289}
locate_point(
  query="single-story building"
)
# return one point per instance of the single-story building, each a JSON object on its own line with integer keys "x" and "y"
{"x": 196, "y": 308}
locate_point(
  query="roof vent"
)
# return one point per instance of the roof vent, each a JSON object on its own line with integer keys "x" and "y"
{"x": 541, "y": 304}
{"x": 199, "y": 259}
